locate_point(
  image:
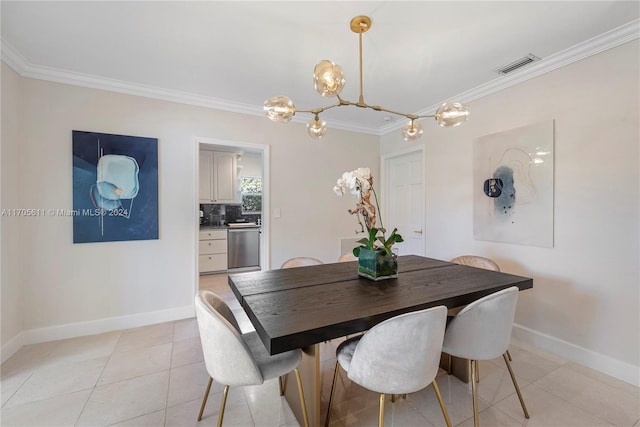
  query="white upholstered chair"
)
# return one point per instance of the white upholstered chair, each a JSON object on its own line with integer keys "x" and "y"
{"x": 300, "y": 262}
{"x": 398, "y": 356}
{"x": 479, "y": 262}
{"x": 482, "y": 331}
{"x": 347, "y": 256}
{"x": 476, "y": 261}
{"x": 236, "y": 359}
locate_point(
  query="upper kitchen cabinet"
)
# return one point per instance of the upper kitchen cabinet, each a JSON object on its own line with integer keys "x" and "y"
{"x": 218, "y": 177}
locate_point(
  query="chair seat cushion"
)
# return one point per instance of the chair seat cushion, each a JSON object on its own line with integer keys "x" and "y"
{"x": 271, "y": 366}
{"x": 344, "y": 352}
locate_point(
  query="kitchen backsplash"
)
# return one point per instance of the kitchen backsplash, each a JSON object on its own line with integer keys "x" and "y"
{"x": 215, "y": 215}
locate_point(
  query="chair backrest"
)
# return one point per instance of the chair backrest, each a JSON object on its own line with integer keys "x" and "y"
{"x": 227, "y": 358}
{"x": 476, "y": 261}
{"x": 482, "y": 330}
{"x": 346, "y": 257}
{"x": 402, "y": 354}
{"x": 301, "y": 262}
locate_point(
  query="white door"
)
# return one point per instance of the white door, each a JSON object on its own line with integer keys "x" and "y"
{"x": 405, "y": 196}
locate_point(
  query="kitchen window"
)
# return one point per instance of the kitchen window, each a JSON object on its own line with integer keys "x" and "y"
{"x": 251, "y": 192}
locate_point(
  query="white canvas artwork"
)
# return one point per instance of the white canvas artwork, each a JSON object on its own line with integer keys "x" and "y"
{"x": 513, "y": 186}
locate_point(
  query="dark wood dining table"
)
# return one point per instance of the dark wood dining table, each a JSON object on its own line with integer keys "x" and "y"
{"x": 305, "y": 306}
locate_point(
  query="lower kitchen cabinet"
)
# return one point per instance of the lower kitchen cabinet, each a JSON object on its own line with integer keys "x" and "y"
{"x": 212, "y": 251}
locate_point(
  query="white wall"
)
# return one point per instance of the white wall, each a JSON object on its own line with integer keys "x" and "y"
{"x": 10, "y": 227}
{"x": 302, "y": 188}
{"x": 83, "y": 288}
{"x": 585, "y": 300}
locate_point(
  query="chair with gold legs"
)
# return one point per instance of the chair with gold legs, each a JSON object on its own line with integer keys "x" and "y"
{"x": 479, "y": 262}
{"x": 482, "y": 331}
{"x": 398, "y": 356}
{"x": 236, "y": 359}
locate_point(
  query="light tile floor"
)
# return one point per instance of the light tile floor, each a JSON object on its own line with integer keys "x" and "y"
{"x": 155, "y": 376}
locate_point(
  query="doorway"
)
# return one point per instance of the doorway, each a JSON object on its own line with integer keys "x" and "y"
{"x": 404, "y": 196}
{"x": 242, "y": 149}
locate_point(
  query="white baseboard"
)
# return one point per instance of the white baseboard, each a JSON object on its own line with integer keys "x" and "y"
{"x": 607, "y": 365}
{"x": 71, "y": 330}
{"x": 10, "y": 348}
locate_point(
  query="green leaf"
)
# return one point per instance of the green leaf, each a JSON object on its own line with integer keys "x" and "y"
{"x": 372, "y": 237}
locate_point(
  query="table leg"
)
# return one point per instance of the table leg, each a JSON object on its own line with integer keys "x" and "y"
{"x": 310, "y": 373}
{"x": 459, "y": 367}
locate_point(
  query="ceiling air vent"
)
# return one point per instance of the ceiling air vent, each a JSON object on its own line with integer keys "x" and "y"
{"x": 519, "y": 63}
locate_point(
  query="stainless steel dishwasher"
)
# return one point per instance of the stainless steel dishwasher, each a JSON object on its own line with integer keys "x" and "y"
{"x": 244, "y": 248}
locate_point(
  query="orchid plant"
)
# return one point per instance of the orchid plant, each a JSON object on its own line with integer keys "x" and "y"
{"x": 360, "y": 183}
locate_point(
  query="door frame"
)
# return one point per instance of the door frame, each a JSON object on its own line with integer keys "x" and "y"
{"x": 385, "y": 159}
{"x": 265, "y": 149}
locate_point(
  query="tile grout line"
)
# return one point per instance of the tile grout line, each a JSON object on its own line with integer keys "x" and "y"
{"x": 93, "y": 389}
{"x": 17, "y": 389}
{"x": 33, "y": 371}
{"x": 166, "y": 400}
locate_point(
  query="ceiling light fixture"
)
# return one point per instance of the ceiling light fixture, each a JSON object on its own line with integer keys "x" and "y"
{"x": 328, "y": 79}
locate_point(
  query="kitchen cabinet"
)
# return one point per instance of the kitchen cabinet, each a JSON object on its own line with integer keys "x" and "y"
{"x": 212, "y": 250}
{"x": 218, "y": 177}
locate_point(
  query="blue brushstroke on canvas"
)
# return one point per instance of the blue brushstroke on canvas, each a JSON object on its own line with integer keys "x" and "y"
{"x": 505, "y": 202}
{"x": 115, "y": 187}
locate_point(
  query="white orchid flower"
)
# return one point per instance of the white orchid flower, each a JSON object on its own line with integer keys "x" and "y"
{"x": 364, "y": 173}
{"x": 364, "y": 185}
{"x": 349, "y": 180}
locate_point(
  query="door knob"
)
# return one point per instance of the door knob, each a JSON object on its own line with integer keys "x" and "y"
{"x": 418, "y": 231}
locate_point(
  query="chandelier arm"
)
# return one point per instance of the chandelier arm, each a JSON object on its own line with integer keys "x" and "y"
{"x": 320, "y": 110}
{"x": 408, "y": 116}
{"x": 344, "y": 102}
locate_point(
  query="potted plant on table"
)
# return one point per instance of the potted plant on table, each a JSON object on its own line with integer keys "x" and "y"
{"x": 376, "y": 261}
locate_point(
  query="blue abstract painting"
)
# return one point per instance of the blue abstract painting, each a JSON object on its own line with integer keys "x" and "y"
{"x": 513, "y": 186}
{"x": 115, "y": 187}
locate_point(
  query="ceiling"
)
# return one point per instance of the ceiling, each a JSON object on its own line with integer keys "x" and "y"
{"x": 234, "y": 55}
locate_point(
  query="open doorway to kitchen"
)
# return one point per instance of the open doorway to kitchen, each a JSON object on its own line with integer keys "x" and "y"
{"x": 232, "y": 226}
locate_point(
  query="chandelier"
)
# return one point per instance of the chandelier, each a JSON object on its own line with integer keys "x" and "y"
{"x": 328, "y": 79}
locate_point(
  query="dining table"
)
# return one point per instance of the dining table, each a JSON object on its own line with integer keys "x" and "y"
{"x": 305, "y": 306}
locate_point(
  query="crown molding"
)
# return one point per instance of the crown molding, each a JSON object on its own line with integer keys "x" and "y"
{"x": 608, "y": 40}
{"x": 595, "y": 45}
{"x": 24, "y": 68}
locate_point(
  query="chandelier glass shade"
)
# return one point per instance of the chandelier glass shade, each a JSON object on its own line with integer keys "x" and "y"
{"x": 279, "y": 109}
{"x": 328, "y": 80}
{"x": 317, "y": 128}
{"x": 412, "y": 131}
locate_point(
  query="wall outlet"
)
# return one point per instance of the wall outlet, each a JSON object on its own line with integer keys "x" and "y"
{"x": 276, "y": 213}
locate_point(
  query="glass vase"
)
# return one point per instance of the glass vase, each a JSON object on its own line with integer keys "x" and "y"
{"x": 377, "y": 265}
